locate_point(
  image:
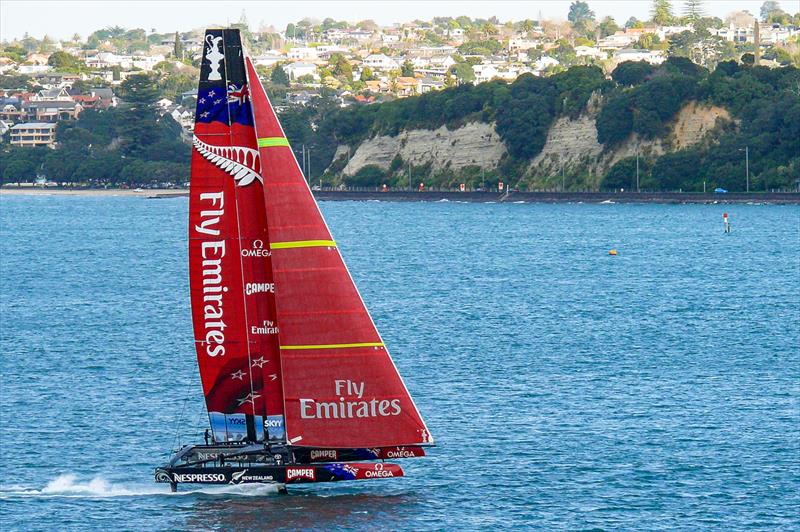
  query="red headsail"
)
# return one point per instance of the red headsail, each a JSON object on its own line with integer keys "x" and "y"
{"x": 341, "y": 388}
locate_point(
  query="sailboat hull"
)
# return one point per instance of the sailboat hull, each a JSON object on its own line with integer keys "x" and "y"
{"x": 277, "y": 474}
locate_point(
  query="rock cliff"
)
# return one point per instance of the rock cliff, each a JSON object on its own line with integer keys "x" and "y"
{"x": 570, "y": 142}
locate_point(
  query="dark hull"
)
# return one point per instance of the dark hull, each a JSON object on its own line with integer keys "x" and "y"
{"x": 276, "y": 474}
{"x": 249, "y": 463}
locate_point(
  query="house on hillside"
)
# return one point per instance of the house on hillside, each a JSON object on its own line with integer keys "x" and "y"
{"x": 56, "y": 80}
{"x": 268, "y": 60}
{"x": 11, "y": 109}
{"x": 590, "y": 52}
{"x": 617, "y": 41}
{"x": 49, "y": 95}
{"x": 31, "y": 134}
{"x": 405, "y": 86}
{"x": 654, "y": 57}
{"x": 297, "y": 70}
{"x": 106, "y": 95}
{"x": 302, "y": 52}
{"x": 52, "y": 110}
{"x": 359, "y": 35}
{"x": 381, "y": 62}
{"x": 545, "y": 62}
{"x": 428, "y": 84}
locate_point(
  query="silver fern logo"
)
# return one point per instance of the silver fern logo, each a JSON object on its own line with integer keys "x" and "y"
{"x": 244, "y": 164}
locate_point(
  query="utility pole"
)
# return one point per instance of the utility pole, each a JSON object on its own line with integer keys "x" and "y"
{"x": 637, "y": 168}
{"x": 746, "y": 151}
{"x": 563, "y": 180}
{"x": 747, "y": 161}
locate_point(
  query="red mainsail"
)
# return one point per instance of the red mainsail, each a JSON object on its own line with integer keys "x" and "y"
{"x": 341, "y": 388}
{"x": 232, "y": 290}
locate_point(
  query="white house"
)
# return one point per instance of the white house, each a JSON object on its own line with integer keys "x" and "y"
{"x": 297, "y": 70}
{"x": 591, "y": 52}
{"x": 617, "y": 41}
{"x": 484, "y": 72}
{"x": 654, "y": 57}
{"x": 545, "y": 62}
{"x": 359, "y": 35}
{"x": 444, "y": 62}
{"x": 521, "y": 44}
{"x": 267, "y": 60}
{"x": 380, "y": 62}
{"x": 302, "y": 52}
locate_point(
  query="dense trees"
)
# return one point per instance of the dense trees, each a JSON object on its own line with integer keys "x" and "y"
{"x": 640, "y": 99}
{"x": 766, "y": 105}
{"x": 278, "y": 76}
{"x": 632, "y": 72}
{"x": 127, "y": 145}
{"x": 65, "y": 62}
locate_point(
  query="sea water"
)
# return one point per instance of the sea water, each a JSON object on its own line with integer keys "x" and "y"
{"x": 566, "y": 388}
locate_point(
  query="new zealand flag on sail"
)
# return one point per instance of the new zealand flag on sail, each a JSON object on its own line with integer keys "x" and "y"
{"x": 214, "y": 104}
{"x": 223, "y": 94}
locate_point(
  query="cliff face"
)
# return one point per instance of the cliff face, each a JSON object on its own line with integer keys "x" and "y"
{"x": 475, "y": 144}
{"x": 570, "y": 142}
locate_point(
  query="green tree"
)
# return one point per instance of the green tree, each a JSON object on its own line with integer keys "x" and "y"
{"x": 177, "y": 48}
{"x": 15, "y": 53}
{"x": 368, "y": 176}
{"x": 407, "y": 69}
{"x": 140, "y": 90}
{"x": 769, "y": 9}
{"x": 64, "y": 61}
{"x": 608, "y": 26}
{"x": 340, "y": 67}
{"x": 580, "y": 15}
{"x": 693, "y": 10}
{"x": 661, "y": 12}
{"x": 366, "y": 74}
{"x": 463, "y": 71}
{"x": 19, "y": 170}
{"x": 278, "y": 76}
{"x": 527, "y": 25}
{"x": 15, "y": 81}
{"x": 634, "y": 22}
{"x": 632, "y": 72}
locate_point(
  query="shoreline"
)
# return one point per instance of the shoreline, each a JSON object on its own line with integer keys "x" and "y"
{"x": 786, "y": 198}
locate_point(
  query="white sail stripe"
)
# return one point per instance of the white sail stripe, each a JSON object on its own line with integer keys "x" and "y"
{"x": 233, "y": 160}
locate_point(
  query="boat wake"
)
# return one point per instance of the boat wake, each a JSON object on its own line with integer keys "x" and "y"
{"x": 98, "y": 487}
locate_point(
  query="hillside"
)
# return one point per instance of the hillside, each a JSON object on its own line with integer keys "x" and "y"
{"x": 690, "y": 125}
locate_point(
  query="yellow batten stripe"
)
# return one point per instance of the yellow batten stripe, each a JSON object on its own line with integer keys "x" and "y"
{"x": 303, "y": 244}
{"x": 267, "y": 142}
{"x": 330, "y": 346}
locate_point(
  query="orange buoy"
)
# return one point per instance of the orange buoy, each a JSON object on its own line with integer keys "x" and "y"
{"x": 612, "y": 252}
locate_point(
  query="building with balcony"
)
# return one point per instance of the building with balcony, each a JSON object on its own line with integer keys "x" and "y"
{"x": 32, "y": 134}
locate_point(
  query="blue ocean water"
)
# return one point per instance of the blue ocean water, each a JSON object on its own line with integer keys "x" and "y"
{"x": 566, "y": 388}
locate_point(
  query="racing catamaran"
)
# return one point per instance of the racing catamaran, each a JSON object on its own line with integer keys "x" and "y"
{"x": 298, "y": 383}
